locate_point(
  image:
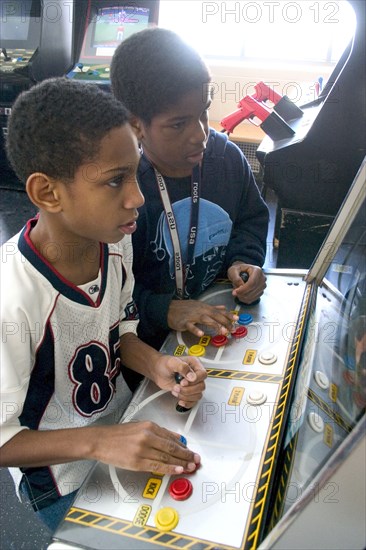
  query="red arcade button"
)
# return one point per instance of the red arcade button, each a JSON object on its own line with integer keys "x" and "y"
{"x": 240, "y": 332}
{"x": 180, "y": 488}
{"x": 219, "y": 340}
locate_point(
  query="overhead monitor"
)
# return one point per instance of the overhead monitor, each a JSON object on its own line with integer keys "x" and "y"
{"x": 20, "y": 24}
{"x": 115, "y": 24}
{"x": 110, "y": 24}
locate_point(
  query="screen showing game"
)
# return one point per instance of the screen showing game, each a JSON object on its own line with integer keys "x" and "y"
{"x": 114, "y": 24}
{"x": 15, "y": 28}
{"x": 107, "y": 24}
{"x": 20, "y": 24}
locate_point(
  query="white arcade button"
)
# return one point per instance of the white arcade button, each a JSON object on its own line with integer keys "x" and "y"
{"x": 316, "y": 422}
{"x": 321, "y": 379}
{"x": 267, "y": 358}
{"x": 256, "y": 397}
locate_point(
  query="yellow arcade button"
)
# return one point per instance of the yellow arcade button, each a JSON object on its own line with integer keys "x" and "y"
{"x": 166, "y": 519}
{"x": 197, "y": 350}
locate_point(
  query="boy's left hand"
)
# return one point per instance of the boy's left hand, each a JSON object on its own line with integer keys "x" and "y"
{"x": 250, "y": 290}
{"x": 191, "y": 387}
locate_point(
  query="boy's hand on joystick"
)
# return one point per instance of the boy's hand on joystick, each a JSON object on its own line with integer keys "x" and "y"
{"x": 248, "y": 283}
{"x": 244, "y": 276}
{"x": 178, "y": 378}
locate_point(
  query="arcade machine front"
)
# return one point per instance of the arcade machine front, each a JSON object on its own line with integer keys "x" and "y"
{"x": 285, "y": 395}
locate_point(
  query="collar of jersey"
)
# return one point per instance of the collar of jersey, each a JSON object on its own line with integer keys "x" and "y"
{"x": 62, "y": 285}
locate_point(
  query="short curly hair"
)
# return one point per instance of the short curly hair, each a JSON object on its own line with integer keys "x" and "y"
{"x": 153, "y": 69}
{"x": 57, "y": 125}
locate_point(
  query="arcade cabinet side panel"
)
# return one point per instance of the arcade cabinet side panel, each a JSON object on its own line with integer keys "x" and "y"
{"x": 333, "y": 510}
{"x": 300, "y": 236}
{"x": 327, "y": 418}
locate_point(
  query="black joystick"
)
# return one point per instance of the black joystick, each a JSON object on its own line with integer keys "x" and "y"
{"x": 178, "y": 377}
{"x": 245, "y": 278}
{"x": 5, "y": 54}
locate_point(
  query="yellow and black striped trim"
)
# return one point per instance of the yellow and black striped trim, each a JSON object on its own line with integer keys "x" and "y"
{"x": 243, "y": 375}
{"x": 337, "y": 418}
{"x": 144, "y": 534}
{"x": 255, "y": 525}
{"x": 279, "y": 501}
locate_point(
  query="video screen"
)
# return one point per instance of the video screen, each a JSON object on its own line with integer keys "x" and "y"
{"x": 15, "y": 28}
{"x": 115, "y": 24}
{"x": 20, "y": 25}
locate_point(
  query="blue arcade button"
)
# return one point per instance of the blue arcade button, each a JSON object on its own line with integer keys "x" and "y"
{"x": 245, "y": 319}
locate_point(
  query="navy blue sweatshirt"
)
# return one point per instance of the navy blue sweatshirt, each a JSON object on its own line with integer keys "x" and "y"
{"x": 233, "y": 223}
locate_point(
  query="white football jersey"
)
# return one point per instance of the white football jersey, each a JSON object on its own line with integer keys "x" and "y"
{"x": 60, "y": 360}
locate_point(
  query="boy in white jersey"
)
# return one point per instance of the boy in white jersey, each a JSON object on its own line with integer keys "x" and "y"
{"x": 68, "y": 317}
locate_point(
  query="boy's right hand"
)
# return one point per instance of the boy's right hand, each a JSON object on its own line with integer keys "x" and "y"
{"x": 186, "y": 314}
{"x": 144, "y": 446}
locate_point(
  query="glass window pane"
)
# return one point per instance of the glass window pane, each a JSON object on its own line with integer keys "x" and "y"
{"x": 265, "y": 29}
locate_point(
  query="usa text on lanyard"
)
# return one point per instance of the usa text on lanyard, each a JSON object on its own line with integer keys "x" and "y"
{"x": 181, "y": 270}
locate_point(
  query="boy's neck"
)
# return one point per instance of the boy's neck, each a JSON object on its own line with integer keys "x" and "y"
{"x": 168, "y": 171}
{"x": 178, "y": 174}
{"x": 78, "y": 262}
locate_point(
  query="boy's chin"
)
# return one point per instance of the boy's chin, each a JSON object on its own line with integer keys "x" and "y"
{"x": 114, "y": 240}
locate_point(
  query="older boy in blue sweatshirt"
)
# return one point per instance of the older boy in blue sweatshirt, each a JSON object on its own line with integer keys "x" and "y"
{"x": 203, "y": 216}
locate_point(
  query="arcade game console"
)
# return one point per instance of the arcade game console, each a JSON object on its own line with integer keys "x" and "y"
{"x": 311, "y": 170}
{"x": 37, "y": 42}
{"x": 20, "y": 35}
{"x": 285, "y": 396}
{"x": 107, "y": 24}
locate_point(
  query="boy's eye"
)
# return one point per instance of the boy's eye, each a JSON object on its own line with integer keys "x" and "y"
{"x": 116, "y": 182}
{"x": 178, "y": 125}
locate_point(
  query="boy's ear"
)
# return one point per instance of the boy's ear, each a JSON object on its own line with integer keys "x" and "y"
{"x": 43, "y": 193}
{"x": 137, "y": 127}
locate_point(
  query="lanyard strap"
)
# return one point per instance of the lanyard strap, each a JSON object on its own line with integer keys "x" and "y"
{"x": 181, "y": 270}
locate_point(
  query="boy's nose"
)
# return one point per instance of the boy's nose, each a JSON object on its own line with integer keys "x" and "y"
{"x": 133, "y": 198}
{"x": 140, "y": 199}
{"x": 199, "y": 133}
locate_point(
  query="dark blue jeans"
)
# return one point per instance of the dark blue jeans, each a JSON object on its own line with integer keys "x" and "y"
{"x": 51, "y": 515}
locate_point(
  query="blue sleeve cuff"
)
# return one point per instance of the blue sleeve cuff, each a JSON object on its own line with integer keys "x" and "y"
{"x": 157, "y": 310}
